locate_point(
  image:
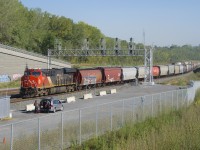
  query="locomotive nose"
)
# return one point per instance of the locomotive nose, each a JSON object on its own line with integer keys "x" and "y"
{"x": 25, "y": 81}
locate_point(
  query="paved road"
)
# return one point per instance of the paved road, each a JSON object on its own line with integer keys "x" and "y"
{"x": 27, "y": 123}
{"x": 124, "y": 93}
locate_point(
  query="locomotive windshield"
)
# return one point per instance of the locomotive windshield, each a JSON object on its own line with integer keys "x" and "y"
{"x": 34, "y": 73}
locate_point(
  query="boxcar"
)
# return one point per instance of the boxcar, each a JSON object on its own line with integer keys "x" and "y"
{"x": 163, "y": 70}
{"x": 171, "y": 69}
{"x": 111, "y": 74}
{"x": 156, "y": 71}
{"x": 89, "y": 76}
{"x": 129, "y": 73}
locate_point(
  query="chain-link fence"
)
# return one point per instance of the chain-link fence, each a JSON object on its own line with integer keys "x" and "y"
{"x": 62, "y": 129}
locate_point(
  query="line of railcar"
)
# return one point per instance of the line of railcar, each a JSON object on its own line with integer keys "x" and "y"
{"x": 37, "y": 82}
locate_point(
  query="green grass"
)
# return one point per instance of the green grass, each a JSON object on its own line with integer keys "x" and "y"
{"x": 183, "y": 80}
{"x": 176, "y": 130}
{"x": 12, "y": 84}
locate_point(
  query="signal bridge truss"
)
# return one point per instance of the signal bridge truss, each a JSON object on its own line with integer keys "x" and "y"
{"x": 147, "y": 53}
{"x": 95, "y": 52}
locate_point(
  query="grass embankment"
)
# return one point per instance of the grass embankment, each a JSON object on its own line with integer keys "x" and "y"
{"x": 12, "y": 84}
{"x": 176, "y": 130}
{"x": 183, "y": 80}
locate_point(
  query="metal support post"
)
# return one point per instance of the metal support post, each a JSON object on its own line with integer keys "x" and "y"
{"x": 148, "y": 63}
{"x": 11, "y": 138}
{"x": 160, "y": 104}
{"x": 172, "y": 101}
{"x": 152, "y": 105}
{"x": 38, "y": 133}
{"x": 177, "y": 99}
{"x": 111, "y": 121}
{"x": 123, "y": 113}
{"x": 49, "y": 59}
{"x": 142, "y": 103}
{"x": 133, "y": 108}
{"x": 97, "y": 111}
{"x": 62, "y": 131}
{"x": 80, "y": 127}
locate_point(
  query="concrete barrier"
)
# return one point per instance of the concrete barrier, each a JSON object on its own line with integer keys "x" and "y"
{"x": 102, "y": 93}
{"x": 87, "y": 96}
{"x": 113, "y": 91}
{"x": 10, "y": 115}
{"x": 30, "y": 107}
{"x": 70, "y": 99}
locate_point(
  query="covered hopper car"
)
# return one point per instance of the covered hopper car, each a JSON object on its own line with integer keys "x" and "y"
{"x": 37, "y": 82}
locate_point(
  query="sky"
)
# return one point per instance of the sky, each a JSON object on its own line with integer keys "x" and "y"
{"x": 164, "y": 22}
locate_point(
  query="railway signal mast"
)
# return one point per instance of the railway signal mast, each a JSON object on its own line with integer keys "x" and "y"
{"x": 85, "y": 51}
{"x": 148, "y": 63}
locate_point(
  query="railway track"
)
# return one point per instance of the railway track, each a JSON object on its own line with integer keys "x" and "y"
{"x": 166, "y": 79}
{"x": 75, "y": 93}
{"x": 9, "y": 91}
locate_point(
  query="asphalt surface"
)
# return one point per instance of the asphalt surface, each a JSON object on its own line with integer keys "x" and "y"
{"x": 126, "y": 92}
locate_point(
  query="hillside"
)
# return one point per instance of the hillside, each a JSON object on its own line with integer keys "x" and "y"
{"x": 38, "y": 31}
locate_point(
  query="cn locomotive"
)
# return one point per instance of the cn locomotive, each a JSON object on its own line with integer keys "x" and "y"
{"x": 38, "y": 82}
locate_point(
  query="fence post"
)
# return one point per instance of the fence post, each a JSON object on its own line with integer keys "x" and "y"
{"x": 11, "y": 139}
{"x": 172, "y": 100}
{"x": 80, "y": 126}
{"x": 38, "y": 133}
{"x": 133, "y": 108}
{"x": 177, "y": 100}
{"x": 123, "y": 113}
{"x": 187, "y": 99}
{"x": 152, "y": 105}
{"x": 61, "y": 130}
{"x": 110, "y": 116}
{"x": 182, "y": 98}
{"x": 165, "y": 106}
{"x": 160, "y": 104}
{"x": 142, "y": 100}
{"x": 97, "y": 110}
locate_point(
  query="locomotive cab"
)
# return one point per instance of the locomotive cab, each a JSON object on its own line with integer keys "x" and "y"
{"x": 30, "y": 81}
{"x": 37, "y": 82}
{"x": 31, "y": 78}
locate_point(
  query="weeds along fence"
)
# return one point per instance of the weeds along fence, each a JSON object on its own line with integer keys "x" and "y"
{"x": 62, "y": 129}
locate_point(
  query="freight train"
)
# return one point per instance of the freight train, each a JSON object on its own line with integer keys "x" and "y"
{"x": 38, "y": 82}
